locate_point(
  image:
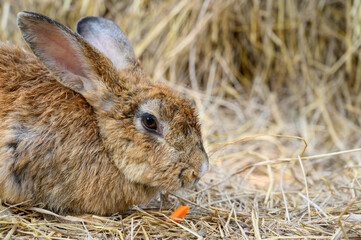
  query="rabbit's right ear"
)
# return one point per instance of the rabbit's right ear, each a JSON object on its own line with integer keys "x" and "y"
{"x": 77, "y": 64}
{"x": 109, "y": 39}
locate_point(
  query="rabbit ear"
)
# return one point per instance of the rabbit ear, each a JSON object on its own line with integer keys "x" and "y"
{"x": 77, "y": 64}
{"x": 108, "y": 38}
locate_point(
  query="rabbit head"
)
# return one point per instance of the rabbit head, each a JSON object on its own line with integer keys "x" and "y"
{"x": 150, "y": 132}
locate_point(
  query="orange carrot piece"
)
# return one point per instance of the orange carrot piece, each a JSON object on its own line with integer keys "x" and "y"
{"x": 179, "y": 212}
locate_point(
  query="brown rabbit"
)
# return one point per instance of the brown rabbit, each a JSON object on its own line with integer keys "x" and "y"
{"x": 83, "y": 130}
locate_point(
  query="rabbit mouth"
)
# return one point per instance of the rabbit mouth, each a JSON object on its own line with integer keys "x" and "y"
{"x": 187, "y": 177}
{"x": 180, "y": 176}
{"x": 191, "y": 184}
{"x": 181, "y": 172}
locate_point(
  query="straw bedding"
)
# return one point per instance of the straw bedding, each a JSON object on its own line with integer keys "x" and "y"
{"x": 269, "y": 78}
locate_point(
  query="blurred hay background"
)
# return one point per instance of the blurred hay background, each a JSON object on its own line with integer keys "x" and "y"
{"x": 271, "y": 67}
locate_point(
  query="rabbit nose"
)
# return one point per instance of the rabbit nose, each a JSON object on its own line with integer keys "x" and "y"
{"x": 203, "y": 169}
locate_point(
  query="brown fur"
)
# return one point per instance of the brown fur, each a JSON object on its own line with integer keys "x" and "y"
{"x": 60, "y": 152}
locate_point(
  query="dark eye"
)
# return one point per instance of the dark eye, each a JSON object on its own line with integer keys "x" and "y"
{"x": 149, "y": 122}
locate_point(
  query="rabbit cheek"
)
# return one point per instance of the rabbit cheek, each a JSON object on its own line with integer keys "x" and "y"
{"x": 138, "y": 172}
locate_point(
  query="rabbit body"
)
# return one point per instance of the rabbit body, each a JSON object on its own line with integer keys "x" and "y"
{"x": 94, "y": 138}
{"x": 50, "y": 150}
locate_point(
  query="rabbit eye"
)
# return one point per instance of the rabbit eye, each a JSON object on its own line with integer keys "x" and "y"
{"x": 149, "y": 122}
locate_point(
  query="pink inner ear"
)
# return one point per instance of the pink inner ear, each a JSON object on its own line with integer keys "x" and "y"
{"x": 62, "y": 52}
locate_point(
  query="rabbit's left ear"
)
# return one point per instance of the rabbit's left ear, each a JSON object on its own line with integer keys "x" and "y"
{"x": 109, "y": 39}
{"x": 77, "y": 64}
